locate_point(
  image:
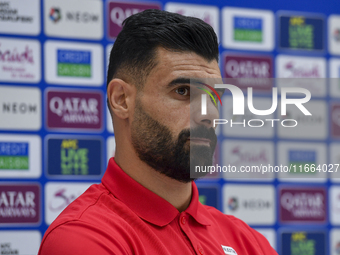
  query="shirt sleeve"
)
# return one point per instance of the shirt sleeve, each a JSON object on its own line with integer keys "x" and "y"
{"x": 81, "y": 238}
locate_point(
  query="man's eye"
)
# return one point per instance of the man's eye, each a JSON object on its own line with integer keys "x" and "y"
{"x": 183, "y": 91}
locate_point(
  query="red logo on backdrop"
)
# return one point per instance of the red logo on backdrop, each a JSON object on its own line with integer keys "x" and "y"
{"x": 335, "y": 117}
{"x": 119, "y": 11}
{"x": 303, "y": 205}
{"x": 256, "y": 71}
{"x": 74, "y": 110}
{"x": 19, "y": 204}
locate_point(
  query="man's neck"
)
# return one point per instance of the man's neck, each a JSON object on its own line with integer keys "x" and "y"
{"x": 176, "y": 193}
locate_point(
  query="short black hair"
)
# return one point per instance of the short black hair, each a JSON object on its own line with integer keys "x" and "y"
{"x": 134, "y": 51}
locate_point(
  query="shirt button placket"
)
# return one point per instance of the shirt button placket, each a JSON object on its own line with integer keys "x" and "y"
{"x": 183, "y": 220}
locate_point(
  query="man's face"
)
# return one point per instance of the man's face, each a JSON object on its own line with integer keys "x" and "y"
{"x": 168, "y": 131}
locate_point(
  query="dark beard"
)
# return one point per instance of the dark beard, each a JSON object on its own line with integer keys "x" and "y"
{"x": 174, "y": 158}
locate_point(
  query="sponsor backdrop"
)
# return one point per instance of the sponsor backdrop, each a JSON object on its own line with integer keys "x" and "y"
{"x": 56, "y": 134}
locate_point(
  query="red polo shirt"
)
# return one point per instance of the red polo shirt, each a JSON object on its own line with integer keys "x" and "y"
{"x": 120, "y": 216}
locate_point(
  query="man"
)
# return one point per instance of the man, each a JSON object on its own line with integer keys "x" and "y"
{"x": 147, "y": 202}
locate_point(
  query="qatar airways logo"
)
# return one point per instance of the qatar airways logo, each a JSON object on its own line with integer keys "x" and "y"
{"x": 304, "y": 204}
{"x": 118, "y": 11}
{"x": 19, "y": 204}
{"x": 239, "y": 105}
{"x": 74, "y": 106}
{"x": 74, "y": 109}
{"x": 118, "y": 14}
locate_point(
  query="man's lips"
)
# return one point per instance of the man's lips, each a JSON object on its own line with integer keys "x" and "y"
{"x": 198, "y": 140}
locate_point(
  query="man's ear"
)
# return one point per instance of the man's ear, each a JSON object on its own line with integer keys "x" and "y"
{"x": 119, "y": 94}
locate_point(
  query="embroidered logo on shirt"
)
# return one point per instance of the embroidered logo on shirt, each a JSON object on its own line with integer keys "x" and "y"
{"x": 228, "y": 250}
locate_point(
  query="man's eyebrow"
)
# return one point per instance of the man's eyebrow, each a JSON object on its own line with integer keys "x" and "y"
{"x": 190, "y": 81}
{"x": 183, "y": 80}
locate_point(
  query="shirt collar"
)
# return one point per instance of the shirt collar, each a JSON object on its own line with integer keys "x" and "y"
{"x": 146, "y": 204}
{"x": 196, "y": 209}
